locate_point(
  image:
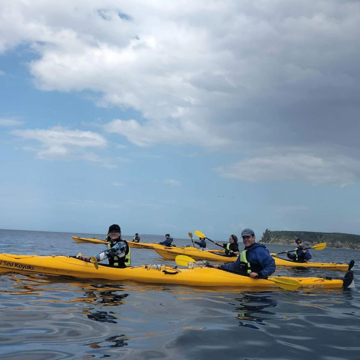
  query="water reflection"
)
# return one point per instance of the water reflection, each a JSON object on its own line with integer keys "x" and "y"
{"x": 107, "y": 298}
{"x": 252, "y": 308}
{"x": 115, "y": 342}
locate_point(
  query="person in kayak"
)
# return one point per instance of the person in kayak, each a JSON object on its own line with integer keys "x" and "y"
{"x": 136, "y": 238}
{"x": 232, "y": 247}
{"x": 301, "y": 254}
{"x": 254, "y": 261}
{"x": 168, "y": 241}
{"x": 201, "y": 243}
{"x": 118, "y": 251}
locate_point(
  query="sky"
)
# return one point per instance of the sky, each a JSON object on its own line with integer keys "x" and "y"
{"x": 170, "y": 117}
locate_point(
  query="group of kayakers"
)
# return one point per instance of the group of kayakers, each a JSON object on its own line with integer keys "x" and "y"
{"x": 254, "y": 261}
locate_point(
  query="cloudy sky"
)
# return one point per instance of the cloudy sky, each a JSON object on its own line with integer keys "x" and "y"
{"x": 174, "y": 116}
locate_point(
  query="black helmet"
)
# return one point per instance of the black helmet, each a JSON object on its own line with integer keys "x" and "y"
{"x": 114, "y": 228}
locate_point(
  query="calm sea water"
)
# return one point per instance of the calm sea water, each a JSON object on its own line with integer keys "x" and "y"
{"x": 57, "y": 318}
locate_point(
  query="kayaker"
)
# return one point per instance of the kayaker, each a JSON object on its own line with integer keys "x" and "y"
{"x": 232, "y": 247}
{"x": 300, "y": 254}
{"x": 201, "y": 243}
{"x": 254, "y": 261}
{"x": 118, "y": 251}
{"x": 136, "y": 238}
{"x": 168, "y": 240}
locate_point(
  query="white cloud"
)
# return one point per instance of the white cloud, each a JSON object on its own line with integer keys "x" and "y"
{"x": 62, "y": 137}
{"x": 123, "y": 160}
{"x": 59, "y": 143}
{"x": 77, "y": 202}
{"x": 10, "y": 122}
{"x": 164, "y": 132}
{"x": 171, "y": 182}
{"x": 117, "y": 183}
{"x": 229, "y": 75}
{"x": 337, "y": 170}
{"x": 2, "y": 73}
{"x": 202, "y": 73}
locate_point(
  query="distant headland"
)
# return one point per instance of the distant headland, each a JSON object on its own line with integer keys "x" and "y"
{"x": 333, "y": 240}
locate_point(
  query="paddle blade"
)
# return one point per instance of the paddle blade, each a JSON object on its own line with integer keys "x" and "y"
{"x": 351, "y": 265}
{"x": 184, "y": 260}
{"x": 94, "y": 261}
{"x": 286, "y": 283}
{"x": 199, "y": 234}
{"x": 320, "y": 246}
{"x": 190, "y": 235}
{"x": 78, "y": 255}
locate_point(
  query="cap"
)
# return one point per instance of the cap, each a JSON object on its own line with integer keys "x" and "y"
{"x": 298, "y": 241}
{"x": 114, "y": 228}
{"x": 247, "y": 232}
{"x": 167, "y": 235}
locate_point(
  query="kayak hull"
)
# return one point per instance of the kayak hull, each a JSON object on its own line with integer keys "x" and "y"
{"x": 98, "y": 241}
{"x": 325, "y": 266}
{"x": 171, "y": 253}
{"x": 88, "y": 240}
{"x": 134, "y": 244}
{"x": 150, "y": 274}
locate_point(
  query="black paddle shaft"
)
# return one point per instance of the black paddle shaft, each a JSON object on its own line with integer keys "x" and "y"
{"x": 284, "y": 252}
{"x": 213, "y": 242}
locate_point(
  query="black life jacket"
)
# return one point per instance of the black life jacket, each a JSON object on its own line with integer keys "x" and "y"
{"x": 123, "y": 261}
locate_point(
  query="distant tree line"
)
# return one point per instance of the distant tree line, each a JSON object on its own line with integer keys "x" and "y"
{"x": 336, "y": 240}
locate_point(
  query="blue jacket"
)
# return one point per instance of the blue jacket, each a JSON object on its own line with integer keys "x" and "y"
{"x": 202, "y": 243}
{"x": 167, "y": 242}
{"x": 302, "y": 256}
{"x": 257, "y": 255}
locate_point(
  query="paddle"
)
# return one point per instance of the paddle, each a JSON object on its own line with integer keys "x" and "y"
{"x": 283, "y": 283}
{"x": 320, "y": 246}
{"x": 190, "y": 235}
{"x": 184, "y": 260}
{"x": 94, "y": 261}
{"x": 200, "y": 234}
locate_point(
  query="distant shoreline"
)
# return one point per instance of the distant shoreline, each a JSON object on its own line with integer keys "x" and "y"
{"x": 332, "y": 240}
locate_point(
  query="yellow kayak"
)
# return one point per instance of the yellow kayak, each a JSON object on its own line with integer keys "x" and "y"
{"x": 151, "y": 274}
{"x": 171, "y": 253}
{"x": 98, "y": 241}
{"x": 88, "y": 240}
{"x": 134, "y": 244}
{"x": 326, "y": 266}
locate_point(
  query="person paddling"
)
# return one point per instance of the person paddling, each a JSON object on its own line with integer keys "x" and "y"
{"x": 254, "y": 261}
{"x": 301, "y": 254}
{"x": 168, "y": 240}
{"x": 201, "y": 243}
{"x": 118, "y": 251}
{"x": 136, "y": 238}
{"x": 232, "y": 247}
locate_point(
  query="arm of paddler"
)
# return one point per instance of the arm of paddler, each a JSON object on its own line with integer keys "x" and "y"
{"x": 266, "y": 261}
{"x": 118, "y": 250}
{"x": 234, "y": 266}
